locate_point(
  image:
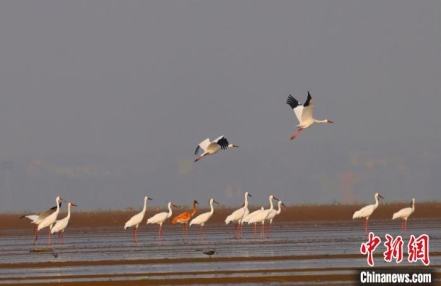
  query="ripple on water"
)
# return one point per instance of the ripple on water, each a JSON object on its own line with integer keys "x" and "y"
{"x": 114, "y": 244}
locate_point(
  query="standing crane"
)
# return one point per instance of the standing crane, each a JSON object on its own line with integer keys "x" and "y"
{"x": 366, "y": 212}
{"x": 137, "y": 219}
{"x": 185, "y": 217}
{"x": 404, "y": 214}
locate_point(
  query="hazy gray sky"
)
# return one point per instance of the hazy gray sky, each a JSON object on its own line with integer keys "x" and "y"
{"x": 104, "y": 102}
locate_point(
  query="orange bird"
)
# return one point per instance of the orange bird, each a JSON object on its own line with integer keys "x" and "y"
{"x": 185, "y": 216}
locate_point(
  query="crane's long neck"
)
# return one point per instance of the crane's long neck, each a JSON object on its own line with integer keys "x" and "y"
{"x": 58, "y": 205}
{"x": 68, "y": 211}
{"x": 280, "y": 207}
{"x": 271, "y": 203}
{"x": 246, "y": 202}
{"x": 145, "y": 205}
{"x": 376, "y": 202}
{"x": 320, "y": 121}
{"x": 212, "y": 209}
{"x": 413, "y": 206}
{"x": 169, "y": 210}
{"x": 194, "y": 209}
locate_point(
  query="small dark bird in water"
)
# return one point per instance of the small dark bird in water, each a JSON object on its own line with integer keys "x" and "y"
{"x": 210, "y": 252}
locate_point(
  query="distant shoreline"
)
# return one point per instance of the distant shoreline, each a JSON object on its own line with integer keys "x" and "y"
{"x": 331, "y": 212}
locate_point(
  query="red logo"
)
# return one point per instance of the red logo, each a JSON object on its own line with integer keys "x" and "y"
{"x": 394, "y": 249}
{"x": 417, "y": 248}
{"x": 369, "y": 247}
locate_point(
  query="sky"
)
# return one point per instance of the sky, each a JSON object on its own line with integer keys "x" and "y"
{"x": 104, "y": 102}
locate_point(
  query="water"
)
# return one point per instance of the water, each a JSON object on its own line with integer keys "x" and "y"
{"x": 295, "y": 248}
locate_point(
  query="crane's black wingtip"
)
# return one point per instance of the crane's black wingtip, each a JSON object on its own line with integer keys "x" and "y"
{"x": 291, "y": 101}
{"x": 223, "y": 143}
{"x": 197, "y": 149}
{"x": 308, "y": 99}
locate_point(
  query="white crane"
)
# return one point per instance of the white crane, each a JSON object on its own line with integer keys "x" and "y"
{"x": 60, "y": 225}
{"x": 304, "y": 113}
{"x": 160, "y": 218}
{"x": 366, "y": 211}
{"x": 203, "y": 218}
{"x": 37, "y": 218}
{"x": 273, "y": 213}
{"x": 246, "y": 213}
{"x": 250, "y": 216}
{"x": 136, "y": 220}
{"x": 212, "y": 147}
{"x": 404, "y": 214}
{"x": 237, "y": 216}
{"x": 262, "y": 216}
{"x": 49, "y": 220}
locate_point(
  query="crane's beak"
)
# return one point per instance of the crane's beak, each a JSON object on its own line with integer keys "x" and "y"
{"x": 174, "y": 205}
{"x": 214, "y": 201}
{"x": 235, "y": 146}
{"x": 380, "y": 196}
{"x": 196, "y": 201}
{"x": 283, "y": 205}
{"x": 74, "y": 205}
{"x": 249, "y": 195}
{"x": 274, "y": 198}
{"x": 150, "y": 199}
{"x": 330, "y": 121}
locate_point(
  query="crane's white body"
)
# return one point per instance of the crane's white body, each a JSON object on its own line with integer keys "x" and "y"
{"x": 203, "y": 218}
{"x": 274, "y": 212}
{"x": 212, "y": 147}
{"x": 137, "y": 219}
{"x": 247, "y": 212}
{"x": 160, "y": 218}
{"x": 239, "y": 214}
{"x": 61, "y": 225}
{"x": 250, "y": 215}
{"x": 304, "y": 113}
{"x": 367, "y": 211}
{"x": 262, "y": 216}
{"x": 404, "y": 214}
{"x": 50, "y": 219}
{"x": 38, "y": 218}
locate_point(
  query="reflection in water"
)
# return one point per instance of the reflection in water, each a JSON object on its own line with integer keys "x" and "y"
{"x": 294, "y": 239}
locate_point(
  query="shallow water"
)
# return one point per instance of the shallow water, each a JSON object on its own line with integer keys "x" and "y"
{"x": 293, "y": 240}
